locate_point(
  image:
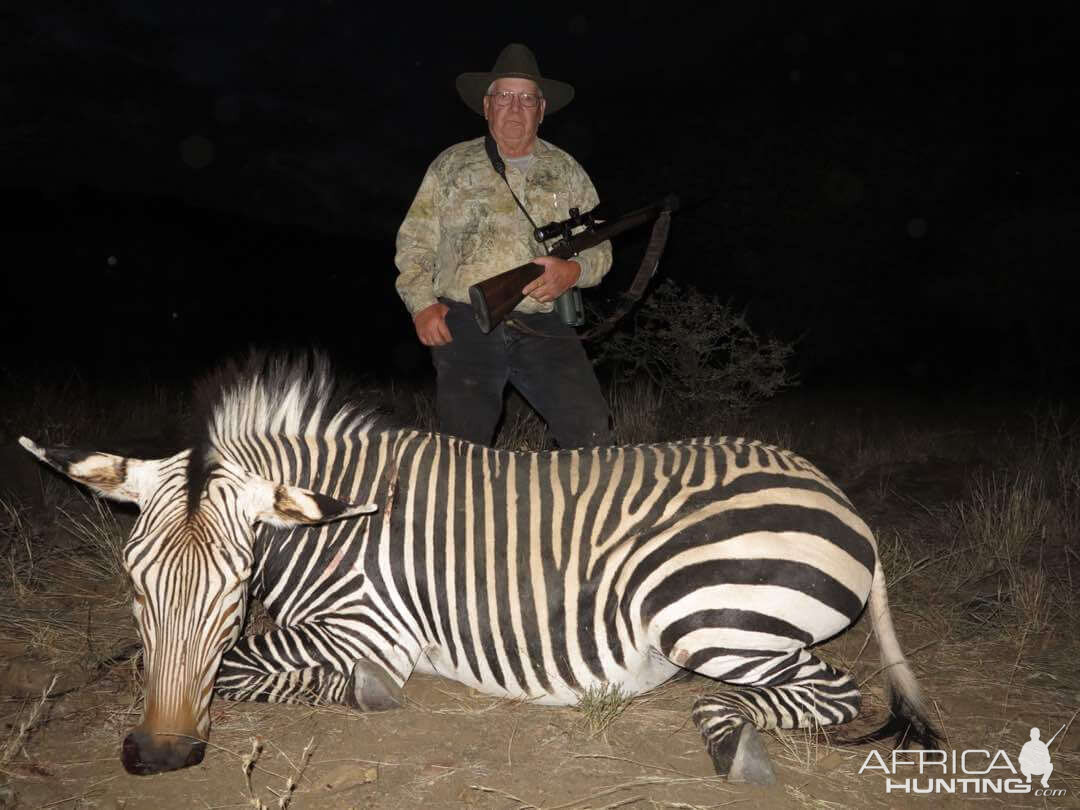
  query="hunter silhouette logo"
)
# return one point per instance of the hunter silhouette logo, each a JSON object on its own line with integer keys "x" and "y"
{"x": 971, "y": 771}
{"x": 1035, "y": 757}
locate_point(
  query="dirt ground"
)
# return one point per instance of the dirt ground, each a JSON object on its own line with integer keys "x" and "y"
{"x": 989, "y": 683}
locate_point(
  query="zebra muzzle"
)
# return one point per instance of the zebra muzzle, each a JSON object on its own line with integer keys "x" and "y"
{"x": 145, "y": 752}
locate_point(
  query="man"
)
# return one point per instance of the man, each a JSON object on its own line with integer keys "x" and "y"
{"x": 465, "y": 226}
{"x": 1035, "y": 758}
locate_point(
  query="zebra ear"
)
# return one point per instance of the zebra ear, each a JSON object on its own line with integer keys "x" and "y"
{"x": 116, "y": 477}
{"x": 286, "y": 506}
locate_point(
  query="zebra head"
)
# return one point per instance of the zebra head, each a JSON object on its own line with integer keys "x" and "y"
{"x": 190, "y": 559}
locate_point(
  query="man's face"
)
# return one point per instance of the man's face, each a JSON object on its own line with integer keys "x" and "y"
{"x": 514, "y": 126}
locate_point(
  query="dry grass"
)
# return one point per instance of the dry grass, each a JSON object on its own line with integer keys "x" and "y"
{"x": 69, "y": 605}
{"x": 99, "y": 557}
{"x": 997, "y": 557}
{"x": 522, "y": 429}
{"x": 637, "y": 411}
{"x": 998, "y": 553}
{"x": 247, "y": 765}
{"x": 900, "y": 558}
{"x": 805, "y": 799}
{"x": 287, "y": 783}
{"x": 802, "y": 748}
{"x": 129, "y": 696}
{"x": 1004, "y": 515}
{"x": 27, "y": 721}
{"x": 426, "y": 416}
{"x": 20, "y": 569}
{"x": 601, "y": 706}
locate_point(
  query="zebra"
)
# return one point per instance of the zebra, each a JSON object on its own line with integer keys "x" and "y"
{"x": 380, "y": 551}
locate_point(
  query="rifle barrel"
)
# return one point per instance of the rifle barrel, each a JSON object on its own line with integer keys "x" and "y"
{"x": 583, "y": 241}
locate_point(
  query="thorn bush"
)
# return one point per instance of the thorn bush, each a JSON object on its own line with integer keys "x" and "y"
{"x": 701, "y": 351}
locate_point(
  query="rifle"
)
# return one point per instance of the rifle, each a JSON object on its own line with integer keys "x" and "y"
{"x": 493, "y": 299}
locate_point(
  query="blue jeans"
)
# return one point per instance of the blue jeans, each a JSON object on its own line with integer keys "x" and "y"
{"x": 552, "y": 373}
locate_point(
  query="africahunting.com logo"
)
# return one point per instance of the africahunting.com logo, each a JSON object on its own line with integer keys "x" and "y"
{"x": 972, "y": 771}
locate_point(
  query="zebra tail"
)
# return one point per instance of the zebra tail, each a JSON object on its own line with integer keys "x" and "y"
{"x": 909, "y": 718}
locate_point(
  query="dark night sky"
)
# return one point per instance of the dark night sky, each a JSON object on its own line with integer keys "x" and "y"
{"x": 894, "y": 183}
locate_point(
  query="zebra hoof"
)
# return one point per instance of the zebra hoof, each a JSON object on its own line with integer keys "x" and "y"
{"x": 751, "y": 762}
{"x": 372, "y": 689}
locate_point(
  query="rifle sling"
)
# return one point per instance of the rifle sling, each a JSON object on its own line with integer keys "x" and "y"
{"x": 497, "y": 164}
{"x": 650, "y": 262}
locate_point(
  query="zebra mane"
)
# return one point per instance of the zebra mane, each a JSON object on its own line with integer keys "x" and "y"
{"x": 270, "y": 394}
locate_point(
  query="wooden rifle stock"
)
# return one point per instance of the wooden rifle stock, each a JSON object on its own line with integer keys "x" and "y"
{"x": 493, "y": 299}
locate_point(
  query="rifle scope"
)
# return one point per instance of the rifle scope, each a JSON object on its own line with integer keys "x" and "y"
{"x": 564, "y": 228}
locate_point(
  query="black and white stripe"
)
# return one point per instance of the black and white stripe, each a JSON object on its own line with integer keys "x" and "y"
{"x": 525, "y": 575}
{"x": 543, "y": 575}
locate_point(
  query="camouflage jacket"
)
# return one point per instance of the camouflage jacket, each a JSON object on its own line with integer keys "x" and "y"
{"x": 464, "y": 227}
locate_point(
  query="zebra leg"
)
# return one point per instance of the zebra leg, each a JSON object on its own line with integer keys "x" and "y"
{"x": 367, "y": 688}
{"x": 313, "y": 686}
{"x": 287, "y": 665}
{"x": 372, "y": 689}
{"x": 733, "y": 744}
{"x": 802, "y": 691}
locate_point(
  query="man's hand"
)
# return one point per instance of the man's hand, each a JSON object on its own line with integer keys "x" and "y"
{"x": 559, "y": 276}
{"x": 430, "y": 323}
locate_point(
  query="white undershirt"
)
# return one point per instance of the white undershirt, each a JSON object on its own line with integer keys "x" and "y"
{"x": 522, "y": 163}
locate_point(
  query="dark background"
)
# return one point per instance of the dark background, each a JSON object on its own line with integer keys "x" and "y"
{"x": 892, "y": 184}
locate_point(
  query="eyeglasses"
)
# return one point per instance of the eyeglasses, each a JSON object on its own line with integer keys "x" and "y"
{"x": 504, "y": 98}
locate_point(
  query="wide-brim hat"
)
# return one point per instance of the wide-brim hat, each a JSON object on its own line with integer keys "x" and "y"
{"x": 515, "y": 62}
